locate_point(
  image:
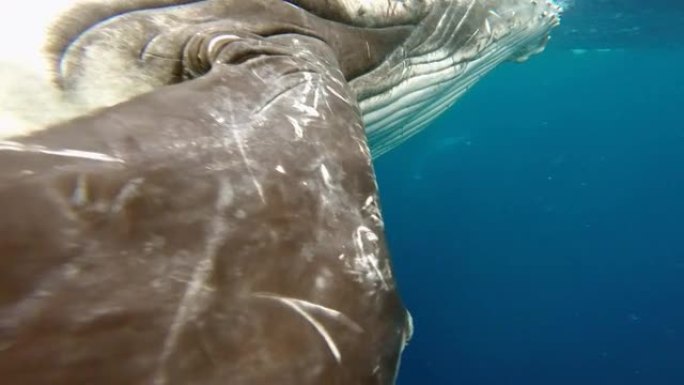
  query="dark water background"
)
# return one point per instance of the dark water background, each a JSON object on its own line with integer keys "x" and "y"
{"x": 537, "y": 228}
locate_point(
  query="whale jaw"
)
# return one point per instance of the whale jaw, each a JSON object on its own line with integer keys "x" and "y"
{"x": 422, "y": 80}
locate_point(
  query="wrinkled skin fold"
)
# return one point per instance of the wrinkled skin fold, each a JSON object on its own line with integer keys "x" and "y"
{"x": 193, "y": 201}
{"x": 182, "y": 244}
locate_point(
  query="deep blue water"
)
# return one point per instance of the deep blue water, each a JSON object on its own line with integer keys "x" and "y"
{"x": 537, "y": 228}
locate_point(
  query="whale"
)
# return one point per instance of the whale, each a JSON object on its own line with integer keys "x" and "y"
{"x": 187, "y": 187}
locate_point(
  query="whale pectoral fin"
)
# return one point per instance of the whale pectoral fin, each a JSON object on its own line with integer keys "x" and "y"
{"x": 221, "y": 230}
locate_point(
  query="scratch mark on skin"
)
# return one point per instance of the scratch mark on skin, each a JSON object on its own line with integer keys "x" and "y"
{"x": 299, "y": 131}
{"x": 370, "y": 203}
{"x": 6, "y": 145}
{"x": 492, "y": 12}
{"x": 308, "y": 83}
{"x": 332, "y": 91}
{"x": 128, "y": 191}
{"x": 243, "y": 153}
{"x": 319, "y": 328}
{"x": 325, "y": 100}
{"x": 274, "y": 100}
{"x": 303, "y": 308}
{"x": 80, "y": 195}
{"x": 310, "y": 111}
{"x": 326, "y": 176}
{"x": 370, "y": 207}
{"x": 193, "y": 299}
{"x": 366, "y": 261}
{"x": 329, "y": 312}
{"x": 317, "y": 96}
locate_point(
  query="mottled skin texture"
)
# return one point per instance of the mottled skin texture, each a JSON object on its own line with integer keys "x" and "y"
{"x": 149, "y": 49}
{"x": 217, "y": 221}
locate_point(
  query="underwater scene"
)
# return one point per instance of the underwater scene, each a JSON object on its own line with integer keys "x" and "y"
{"x": 537, "y": 227}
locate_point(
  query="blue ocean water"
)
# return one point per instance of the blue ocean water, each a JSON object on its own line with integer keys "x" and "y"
{"x": 537, "y": 228}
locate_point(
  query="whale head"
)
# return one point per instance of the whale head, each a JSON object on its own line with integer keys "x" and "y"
{"x": 217, "y": 147}
{"x": 454, "y": 43}
{"x": 430, "y": 52}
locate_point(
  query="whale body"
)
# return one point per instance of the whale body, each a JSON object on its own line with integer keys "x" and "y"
{"x": 187, "y": 190}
